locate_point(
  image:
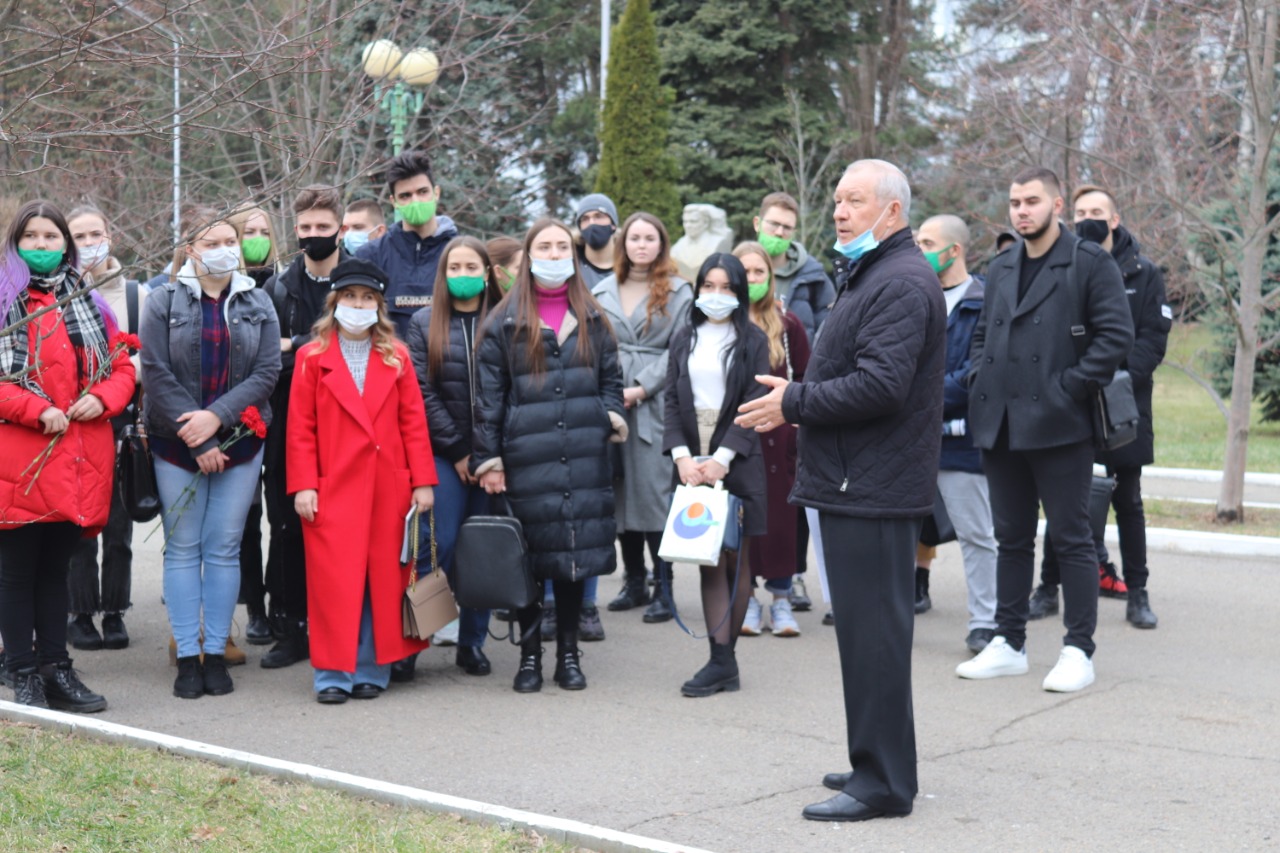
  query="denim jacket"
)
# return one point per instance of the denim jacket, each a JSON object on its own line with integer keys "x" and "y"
{"x": 171, "y": 337}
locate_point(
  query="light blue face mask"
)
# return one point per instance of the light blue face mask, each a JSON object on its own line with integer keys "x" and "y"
{"x": 353, "y": 240}
{"x": 717, "y": 306}
{"x": 863, "y": 243}
{"x": 549, "y": 273}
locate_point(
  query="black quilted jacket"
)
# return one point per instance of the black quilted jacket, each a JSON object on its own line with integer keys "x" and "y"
{"x": 450, "y": 396}
{"x": 870, "y": 406}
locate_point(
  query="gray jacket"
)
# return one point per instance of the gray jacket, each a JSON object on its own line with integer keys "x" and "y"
{"x": 1023, "y": 360}
{"x": 171, "y": 340}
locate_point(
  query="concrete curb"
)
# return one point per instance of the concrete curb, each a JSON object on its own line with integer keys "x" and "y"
{"x": 557, "y": 829}
{"x": 1205, "y": 475}
{"x": 1200, "y": 542}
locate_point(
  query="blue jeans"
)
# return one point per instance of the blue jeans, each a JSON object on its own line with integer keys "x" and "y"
{"x": 455, "y": 503}
{"x": 778, "y": 586}
{"x": 367, "y": 669}
{"x": 202, "y": 530}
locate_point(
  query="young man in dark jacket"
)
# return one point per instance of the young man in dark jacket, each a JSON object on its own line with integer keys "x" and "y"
{"x": 299, "y": 295}
{"x": 1097, "y": 218}
{"x": 1029, "y": 396}
{"x": 799, "y": 280}
{"x": 870, "y": 417}
{"x": 410, "y": 250}
{"x": 963, "y": 486}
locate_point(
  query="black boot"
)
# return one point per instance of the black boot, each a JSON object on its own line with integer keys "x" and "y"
{"x": 635, "y": 593}
{"x": 590, "y": 630}
{"x": 1139, "y": 613}
{"x": 404, "y": 671}
{"x": 720, "y": 673}
{"x": 568, "y": 669}
{"x": 529, "y": 676}
{"x": 923, "y": 601}
{"x": 258, "y": 631}
{"x": 190, "y": 681}
{"x": 217, "y": 681}
{"x": 114, "y": 635}
{"x": 28, "y": 688}
{"x": 82, "y": 634}
{"x": 1044, "y": 601}
{"x": 292, "y": 649}
{"x": 64, "y": 690}
{"x": 658, "y": 611}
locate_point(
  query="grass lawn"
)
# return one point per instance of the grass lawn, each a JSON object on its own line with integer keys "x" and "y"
{"x": 59, "y": 792}
{"x": 1190, "y": 431}
{"x": 1183, "y": 515}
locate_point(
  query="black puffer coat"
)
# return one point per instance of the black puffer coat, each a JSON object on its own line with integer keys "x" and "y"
{"x": 870, "y": 406}
{"x": 552, "y": 434}
{"x": 1152, "y": 320}
{"x": 450, "y": 396}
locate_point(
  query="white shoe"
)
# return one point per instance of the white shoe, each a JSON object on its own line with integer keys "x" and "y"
{"x": 1074, "y": 671}
{"x": 997, "y": 659}
{"x": 751, "y": 624}
{"x": 784, "y": 624}
{"x": 446, "y": 636}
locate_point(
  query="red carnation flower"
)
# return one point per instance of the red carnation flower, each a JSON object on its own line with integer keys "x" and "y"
{"x": 126, "y": 340}
{"x": 252, "y": 419}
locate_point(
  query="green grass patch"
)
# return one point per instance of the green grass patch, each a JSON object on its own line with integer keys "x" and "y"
{"x": 1190, "y": 431}
{"x": 1183, "y": 515}
{"x": 60, "y": 792}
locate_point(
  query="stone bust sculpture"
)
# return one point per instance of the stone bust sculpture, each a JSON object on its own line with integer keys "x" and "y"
{"x": 706, "y": 231}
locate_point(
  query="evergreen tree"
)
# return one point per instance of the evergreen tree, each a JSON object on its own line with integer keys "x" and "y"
{"x": 636, "y": 169}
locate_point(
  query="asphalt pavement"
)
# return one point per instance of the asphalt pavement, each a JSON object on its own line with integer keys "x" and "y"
{"x": 1174, "y": 747}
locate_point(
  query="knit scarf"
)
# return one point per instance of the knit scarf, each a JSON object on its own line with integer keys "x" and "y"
{"x": 84, "y": 323}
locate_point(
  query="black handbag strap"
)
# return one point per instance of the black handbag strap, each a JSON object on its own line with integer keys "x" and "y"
{"x": 670, "y": 599}
{"x": 1081, "y": 339}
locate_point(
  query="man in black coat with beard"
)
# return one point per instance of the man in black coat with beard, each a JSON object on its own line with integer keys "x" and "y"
{"x": 870, "y": 417}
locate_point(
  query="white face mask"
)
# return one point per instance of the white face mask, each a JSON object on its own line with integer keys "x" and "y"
{"x": 222, "y": 260}
{"x": 355, "y": 320}
{"x": 91, "y": 256}
{"x": 551, "y": 273}
{"x": 717, "y": 306}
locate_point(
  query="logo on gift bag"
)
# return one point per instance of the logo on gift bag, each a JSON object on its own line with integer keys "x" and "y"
{"x": 695, "y": 520}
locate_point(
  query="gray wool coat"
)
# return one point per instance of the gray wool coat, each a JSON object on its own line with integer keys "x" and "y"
{"x": 644, "y": 494}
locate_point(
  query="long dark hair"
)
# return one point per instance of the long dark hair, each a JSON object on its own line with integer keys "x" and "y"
{"x": 741, "y": 316}
{"x": 442, "y": 301}
{"x": 659, "y": 272}
{"x": 15, "y": 275}
{"x": 523, "y": 299}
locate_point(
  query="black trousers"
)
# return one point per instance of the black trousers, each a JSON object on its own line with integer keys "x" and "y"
{"x": 871, "y": 578}
{"x": 1131, "y": 524}
{"x": 1058, "y": 477}
{"x": 109, "y": 593}
{"x": 34, "y": 560}
{"x": 633, "y": 542}
{"x": 252, "y": 588}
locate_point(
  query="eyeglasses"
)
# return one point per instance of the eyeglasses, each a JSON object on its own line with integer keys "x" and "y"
{"x": 778, "y": 228}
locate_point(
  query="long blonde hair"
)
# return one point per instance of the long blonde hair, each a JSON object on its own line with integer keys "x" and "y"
{"x": 383, "y": 332}
{"x": 766, "y": 313}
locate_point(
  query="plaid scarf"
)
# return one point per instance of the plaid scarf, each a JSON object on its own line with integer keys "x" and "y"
{"x": 84, "y": 323}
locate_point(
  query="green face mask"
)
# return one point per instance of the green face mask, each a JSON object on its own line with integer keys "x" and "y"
{"x": 932, "y": 258}
{"x": 756, "y": 292}
{"x": 417, "y": 213}
{"x": 506, "y": 278}
{"x": 42, "y": 261}
{"x": 255, "y": 249}
{"x": 465, "y": 286}
{"x": 774, "y": 245}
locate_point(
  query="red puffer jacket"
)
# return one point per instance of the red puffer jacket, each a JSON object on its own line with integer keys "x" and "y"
{"x": 75, "y": 483}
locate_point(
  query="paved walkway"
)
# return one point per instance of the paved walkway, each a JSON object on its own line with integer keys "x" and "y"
{"x": 1176, "y": 746}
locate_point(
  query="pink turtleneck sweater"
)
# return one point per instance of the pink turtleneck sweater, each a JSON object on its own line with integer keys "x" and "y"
{"x": 553, "y": 304}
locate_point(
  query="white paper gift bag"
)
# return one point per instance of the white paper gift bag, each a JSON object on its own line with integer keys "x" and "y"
{"x": 702, "y": 521}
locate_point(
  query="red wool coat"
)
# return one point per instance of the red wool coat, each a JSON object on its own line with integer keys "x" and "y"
{"x": 75, "y": 483}
{"x": 364, "y": 454}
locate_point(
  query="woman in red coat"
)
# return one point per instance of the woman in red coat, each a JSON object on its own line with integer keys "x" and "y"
{"x": 61, "y": 381}
{"x": 358, "y": 457}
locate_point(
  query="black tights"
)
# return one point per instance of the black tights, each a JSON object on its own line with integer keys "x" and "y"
{"x": 633, "y": 542}
{"x": 717, "y": 586}
{"x": 34, "y": 559}
{"x": 568, "y": 609}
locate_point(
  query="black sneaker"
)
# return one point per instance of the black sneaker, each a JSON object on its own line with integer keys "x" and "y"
{"x": 217, "y": 681}
{"x": 800, "y": 601}
{"x": 589, "y": 628}
{"x": 190, "y": 682}
{"x": 66, "y": 692}
{"x": 1044, "y": 602}
{"x": 114, "y": 635}
{"x": 82, "y": 634}
{"x": 28, "y": 688}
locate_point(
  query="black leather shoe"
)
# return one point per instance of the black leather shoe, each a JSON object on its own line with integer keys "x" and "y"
{"x": 979, "y": 639}
{"x": 366, "y": 691}
{"x": 720, "y": 673}
{"x": 294, "y": 648}
{"x": 837, "y": 781}
{"x": 64, "y": 691}
{"x": 529, "y": 676}
{"x": 923, "y": 602}
{"x": 635, "y": 593}
{"x": 1044, "y": 602}
{"x": 257, "y": 633}
{"x": 332, "y": 696}
{"x": 1138, "y": 612}
{"x": 114, "y": 636}
{"x": 568, "y": 671}
{"x": 589, "y": 628}
{"x": 83, "y": 634}
{"x": 472, "y": 660}
{"x": 217, "y": 681}
{"x": 658, "y": 611}
{"x": 28, "y": 688}
{"x": 190, "y": 682}
{"x": 841, "y": 807}
{"x": 405, "y": 670}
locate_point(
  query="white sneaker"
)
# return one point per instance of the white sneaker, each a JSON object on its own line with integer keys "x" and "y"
{"x": 997, "y": 659}
{"x": 751, "y": 624}
{"x": 1074, "y": 671}
{"x": 446, "y": 636}
{"x": 784, "y": 624}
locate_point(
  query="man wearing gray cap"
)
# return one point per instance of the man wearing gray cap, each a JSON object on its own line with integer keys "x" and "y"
{"x": 597, "y": 220}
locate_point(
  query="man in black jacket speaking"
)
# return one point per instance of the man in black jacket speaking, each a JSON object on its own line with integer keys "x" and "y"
{"x": 1054, "y": 327}
{"x": 870, "y": 417}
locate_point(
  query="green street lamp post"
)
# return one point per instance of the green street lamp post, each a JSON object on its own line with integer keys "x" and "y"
{"x": 399, "y": 77}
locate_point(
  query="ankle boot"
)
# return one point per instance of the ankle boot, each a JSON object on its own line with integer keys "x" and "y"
{"x": 720, "y": 673}
{"x": 923, "y": 601}
{"x": 28, "y": 688}
{"x": 635, "y": 592}
{"x": 529, "y": 676}
{"x": 290, "y": 650}
{"x": 258, "y": 631}
{"x": 658, "y": 611}
{"x": 568, "y": 667}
